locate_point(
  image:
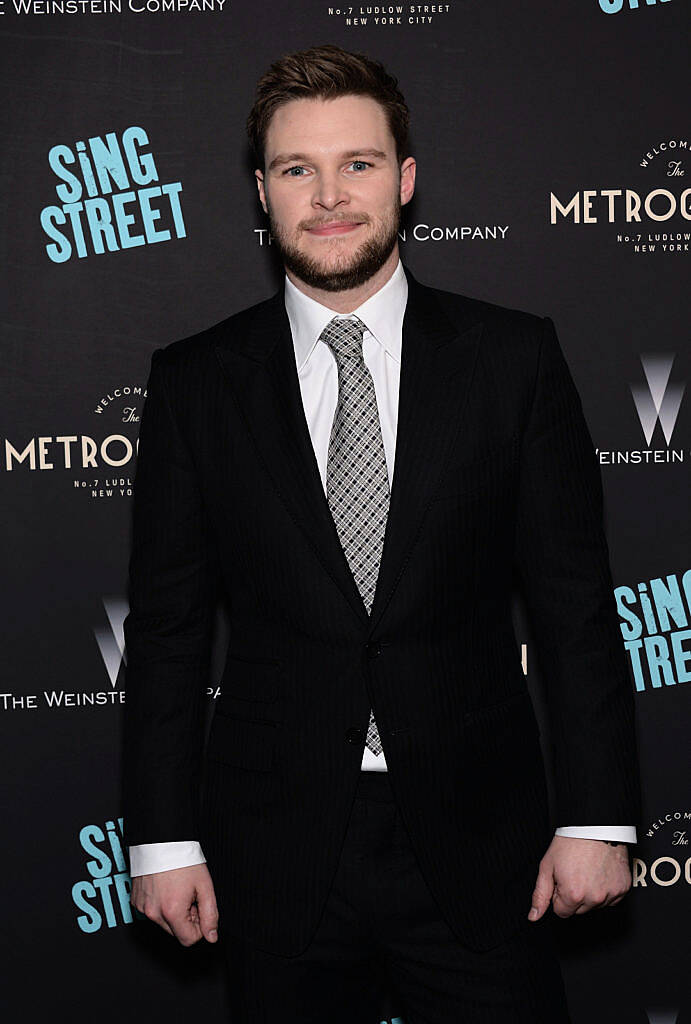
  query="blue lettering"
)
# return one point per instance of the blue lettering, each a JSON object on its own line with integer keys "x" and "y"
{"x": 624, "y": 595}
{"x": 101, "y": 865}
{"x": 63, "y": 250}
{"x": 108, "y": 162}
{"x": 149, "y": 215}
{"x": 55, "y": 157}
{"x": 172, "y": 190}
{"x": 123, "y": 219}
{"x": 91, "y": 920}
{"x": 98, "y": 216}
{"x": 142, "y": 168}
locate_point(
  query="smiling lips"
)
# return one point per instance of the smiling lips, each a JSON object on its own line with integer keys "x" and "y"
{"x": 335, "y": 228}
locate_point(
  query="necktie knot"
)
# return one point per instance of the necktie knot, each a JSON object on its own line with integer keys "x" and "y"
{"x": 344, "y": 337}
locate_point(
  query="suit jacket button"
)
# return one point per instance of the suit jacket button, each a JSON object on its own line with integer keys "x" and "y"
{"x": 354, "y": 735}
{"x": 373, "y": 648}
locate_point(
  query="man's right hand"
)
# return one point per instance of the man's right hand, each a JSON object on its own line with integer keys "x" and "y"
{"x": 182, "y": 901}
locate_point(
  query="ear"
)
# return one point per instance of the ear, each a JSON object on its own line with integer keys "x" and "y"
{"x": 408, "y": 168}
{"x": 260, "y": 186}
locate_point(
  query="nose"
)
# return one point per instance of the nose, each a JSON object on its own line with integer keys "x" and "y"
{"x": 330, "y": 191}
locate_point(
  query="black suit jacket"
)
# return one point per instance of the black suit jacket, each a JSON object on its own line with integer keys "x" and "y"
{"x": 495, "y": 480}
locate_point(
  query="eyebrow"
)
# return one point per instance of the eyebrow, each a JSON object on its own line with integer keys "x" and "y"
{"x": 286, "y": 158}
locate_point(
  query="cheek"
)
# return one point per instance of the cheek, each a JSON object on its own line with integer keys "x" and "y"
{"x": 282, "y": 199}
{"x": 385, "y": 199}
{"x": 288, "y": 211}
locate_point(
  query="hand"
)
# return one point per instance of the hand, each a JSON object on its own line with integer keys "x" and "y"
{"x": 579, "y": 874}
{"x": 182, "y": 901}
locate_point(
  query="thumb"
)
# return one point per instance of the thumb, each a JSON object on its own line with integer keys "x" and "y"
{"x": 208, "y": 913}
{"x": 542, "y": 893}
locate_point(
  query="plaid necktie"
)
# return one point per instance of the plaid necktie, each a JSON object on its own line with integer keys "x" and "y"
{"x": 357, "y": 483}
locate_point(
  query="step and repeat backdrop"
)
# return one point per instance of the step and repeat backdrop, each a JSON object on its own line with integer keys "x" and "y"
{"x": 554, "y": 176}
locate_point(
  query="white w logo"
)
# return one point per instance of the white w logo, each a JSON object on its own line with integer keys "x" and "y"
{"x": 660, "y": 400}
{"x": 111, "y": 642}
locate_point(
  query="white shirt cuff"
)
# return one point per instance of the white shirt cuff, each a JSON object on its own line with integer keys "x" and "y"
{"x": 149, "y": 858}
{"x": 617, "y": 833}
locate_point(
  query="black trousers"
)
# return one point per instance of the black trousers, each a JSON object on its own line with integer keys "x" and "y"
{"x": 382, "y": 949}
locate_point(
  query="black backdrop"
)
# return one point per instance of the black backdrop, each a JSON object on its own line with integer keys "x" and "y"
{"x": 522, "y": 115}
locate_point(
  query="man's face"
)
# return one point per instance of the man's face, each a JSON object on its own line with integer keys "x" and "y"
{"x": 333, "y": 189}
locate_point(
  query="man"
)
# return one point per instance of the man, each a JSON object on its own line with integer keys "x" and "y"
{"x": 362, "y": 465}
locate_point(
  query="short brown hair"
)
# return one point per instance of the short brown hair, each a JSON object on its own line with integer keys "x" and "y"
{"x": 326, "y": 72}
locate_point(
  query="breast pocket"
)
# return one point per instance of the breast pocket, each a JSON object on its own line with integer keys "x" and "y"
{"x": 494, "y": 470}
{"x": 520, "y": 699}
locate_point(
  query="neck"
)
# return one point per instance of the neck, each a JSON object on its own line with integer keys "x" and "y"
{"x": 347, "y": 301}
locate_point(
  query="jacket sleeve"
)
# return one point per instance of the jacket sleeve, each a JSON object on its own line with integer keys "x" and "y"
{"x": 562, "y": 558}
{"x": 172, "y": 588}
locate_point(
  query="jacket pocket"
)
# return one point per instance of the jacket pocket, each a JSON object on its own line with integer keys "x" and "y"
{"x": 242, "y": 742}
{"x": 248, "y": 679}
{"x": 497, "y": 705}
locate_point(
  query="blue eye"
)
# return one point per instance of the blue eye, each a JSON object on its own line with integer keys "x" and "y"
{"x": 299, "y": 167}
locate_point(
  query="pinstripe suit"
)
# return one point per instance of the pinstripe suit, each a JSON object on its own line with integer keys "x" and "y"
{"x": 495, "y": 481}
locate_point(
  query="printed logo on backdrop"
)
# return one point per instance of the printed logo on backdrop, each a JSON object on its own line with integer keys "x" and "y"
{"x": 662, "y": 864}
{"x": 657, "y": 397}
{"x": 101, "y": 7}
{"x": 107, "y": 199}
{"x": 651, "y": 218}
{"x": 424, "y": 232}
{"x": 378, "y": 15}
{"x": 97, "y": 463}
{"x": 667, "y": 858}
{"x": 660, "y": 400}
{"x": 102, "y": 899}
{"x": 615, "y": 6}
{"x": 656, "y": 626}
{"x": 110, "y": 641}
{"x": 109, "y": 636}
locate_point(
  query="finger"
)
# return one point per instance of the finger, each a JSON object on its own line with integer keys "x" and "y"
{"x": 594, "y": 901}
{"x": 187, "y": 934}
{"x": 542, "y": 894}
{"x": 564, "y": 907}
{"x": 590, "y": 903}
{"x": 208, "y": 913}
{"x": 185, "y": 930}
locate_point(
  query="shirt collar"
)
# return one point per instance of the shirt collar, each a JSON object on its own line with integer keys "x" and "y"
{"x": 382, "y": 315}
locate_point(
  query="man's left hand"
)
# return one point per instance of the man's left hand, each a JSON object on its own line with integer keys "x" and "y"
{"x": 576, "y": 875}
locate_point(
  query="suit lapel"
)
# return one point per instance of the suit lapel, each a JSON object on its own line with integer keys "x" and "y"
{"x": 437, "y": 360}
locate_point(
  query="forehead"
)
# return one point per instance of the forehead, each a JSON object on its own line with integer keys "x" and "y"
{"x": 325, "y": 125}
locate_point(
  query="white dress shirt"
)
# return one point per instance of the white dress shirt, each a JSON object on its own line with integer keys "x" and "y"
{"x": 382, "y": 314}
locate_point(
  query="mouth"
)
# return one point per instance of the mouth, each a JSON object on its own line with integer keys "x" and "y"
{"x": 335, "y": 228}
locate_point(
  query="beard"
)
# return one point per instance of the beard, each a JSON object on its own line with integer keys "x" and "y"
{"x": 344, "y": 272}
